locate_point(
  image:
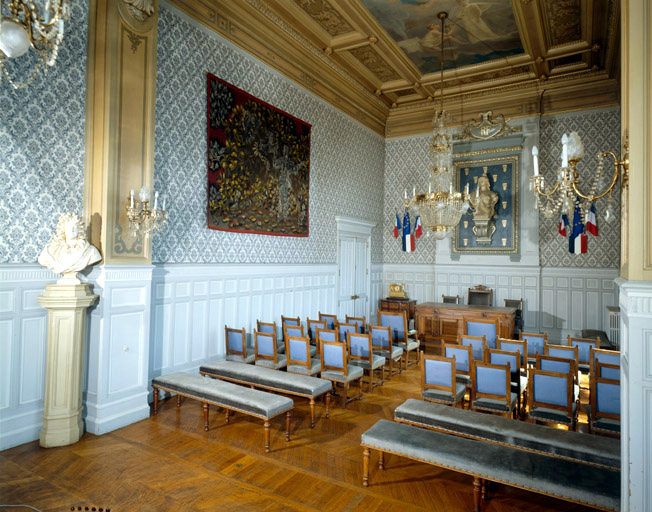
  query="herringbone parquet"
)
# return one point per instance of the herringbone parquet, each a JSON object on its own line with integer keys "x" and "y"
{"x": 168, "y": 463}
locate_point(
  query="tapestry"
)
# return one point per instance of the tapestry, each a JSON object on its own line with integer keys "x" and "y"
{"x": 258, "y": 165}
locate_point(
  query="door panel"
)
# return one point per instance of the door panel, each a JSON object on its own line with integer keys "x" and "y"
{"x": 347, "y": 263}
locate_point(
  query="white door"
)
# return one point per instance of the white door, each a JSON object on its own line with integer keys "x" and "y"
{"x": 353, "y": 276}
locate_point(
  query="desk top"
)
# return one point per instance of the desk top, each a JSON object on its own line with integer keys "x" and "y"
{"x": 467, "y": 307}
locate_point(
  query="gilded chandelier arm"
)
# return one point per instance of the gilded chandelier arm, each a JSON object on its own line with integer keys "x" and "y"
{"x": 538, "y": 190}
{"x": 624, "y": 163}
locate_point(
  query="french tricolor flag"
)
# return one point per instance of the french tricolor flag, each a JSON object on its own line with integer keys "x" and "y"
{"x": 563, "y": 222}
{"x": 418, "y": 230}
{"x": 397, "y": 226}
{"x": 577, "y": 239}
{"x": 591, "y": 221}
{"x": 408, "y": 239}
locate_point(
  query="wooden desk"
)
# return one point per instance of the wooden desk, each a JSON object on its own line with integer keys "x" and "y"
{"x": 436, "y": 322}
{"x": 390, "y": 304}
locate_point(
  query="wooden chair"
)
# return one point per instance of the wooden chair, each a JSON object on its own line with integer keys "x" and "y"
{"x": 518, "y": 381}
{"x": 298, "y": 357}
{"x": 381, "y": 344}
{"x": 491, "y": 389}
{"x": 331, "y": 320}
{"x": 450, "y": 299}
{"x": 463, "y": 360}
{"x": 297, "y": 332}
{"x": 604, "y": 401}
{"x": 478, "y": 346}
{"x": 566, "y": 353}
{"x": 335, "y": 367}
{"x": 397, "y": 321}
{"x": 329, "y": 335}
{"x": 550, "y": 398}
{"x": 536, "y": 344}
{"x": 312, "y": 328}
{"x": 343, "y": 328}
{"x": 289, "y": 320}
{"x": 270, "y": 328}
{"x": 584, "y": 347}
{"x": 267, "y": 351}
{"x": 518, "y": 318}
{"x": 361, "y": 354}
{"x": 236, "y": 346}
{"x": 438, "y": 381}
{"x": 361, "y": 322}
{"x": 559, "y": 365}
{"x": 606, "y": 357}
{"x": 515, "y": 346}
{"x": 478, "y": 327}
{"x": 481, "y": 296}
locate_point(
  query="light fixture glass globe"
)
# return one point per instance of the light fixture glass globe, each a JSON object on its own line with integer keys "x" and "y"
{"x": 14, "y": 40}
{"x": 440, "y": 235}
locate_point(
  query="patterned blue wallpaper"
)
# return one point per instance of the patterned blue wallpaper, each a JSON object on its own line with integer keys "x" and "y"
{"x": 42, "y": 146}
{"x": 347, "y": 159}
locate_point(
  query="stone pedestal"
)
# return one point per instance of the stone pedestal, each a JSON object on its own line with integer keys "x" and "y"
{"x": 66, "y": 305}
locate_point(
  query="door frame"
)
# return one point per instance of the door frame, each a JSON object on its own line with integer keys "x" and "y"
{"x": 361, "y": 228}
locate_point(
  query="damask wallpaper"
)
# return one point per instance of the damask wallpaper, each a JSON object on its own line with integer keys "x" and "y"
{"x": 42, "y": 146}
{"x": 346, "y": 162}
{"x": 600, "y": 131}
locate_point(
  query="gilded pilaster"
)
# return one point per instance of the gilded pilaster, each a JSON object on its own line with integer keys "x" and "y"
{"x": 121, "y": 88}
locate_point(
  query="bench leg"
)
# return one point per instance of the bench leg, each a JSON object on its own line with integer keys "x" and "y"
{"x": 381, "y": 460}
{"x": 328, "y": 405}
{"x": 228, "y": 415}
{"x": 477, "y": 494}
{"x": 205, "y": 407}
{"x": 266, "y": 426}
{"x": 155, "y": 401}
{"x": 312, "y": 413}
{"x": 484, "y": 489}
{"x": 288, "y": 416}
{"x": 365, "y": 467}
{"x": 178, "y": 400}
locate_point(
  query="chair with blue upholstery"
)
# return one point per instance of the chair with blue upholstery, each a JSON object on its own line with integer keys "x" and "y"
{"x": 327, "y": 335}
{"x": 550, "y": 398}
{"x": 584, "y": 347}
{"x": 289, "y": 320}
{"x": 536, "y": 344}
{"x": 488, "y": 328}
{"x": 361, "y": 322}
{"x": 518, "y": 381}
{"x": 236, "y": 346}
{"x": 604, "y": 401}
{"x": 297, "y": 332}
{"x": 343, "y": 328}
{"x": 335, "y": 367}
{"x": 478, "y": 346}
{"x": 565, "y": 353}
{"x": 609, "y": 357}
{"x": 514, "y": 346}
{"x": 361, "y": 354}
{"x": 397, "y": 321}
{"x": 381, "y": 344}
{"x": 270, "y": 328}
{"x": 267, "y": 351}
{"x": 438, "y": 382}
{"x": 331, "y": 320}
{"x": 463, "y": 360}
{"x": 312, "y": 328}
{"x": 559, "y": 365}
{"x": 491, "y": 389}
{"x": 299, "y": 358}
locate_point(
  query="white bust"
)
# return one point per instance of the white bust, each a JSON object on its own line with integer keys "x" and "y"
{"x": 69, "y": 252}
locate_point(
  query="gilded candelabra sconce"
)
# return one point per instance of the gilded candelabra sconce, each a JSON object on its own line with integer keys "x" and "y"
{"x": 142, "y": 219}
{"x": 483, "y": 204}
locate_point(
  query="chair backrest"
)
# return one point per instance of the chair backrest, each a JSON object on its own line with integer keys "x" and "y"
{"x": 297, "y": 350}
{"x": 360, "y": 322}
{"x": 236, "y": 341}
{"x": 495, "y": 356}
{"x": 481, "y": 296}
{"x": 333, "y": 357}
{"x": 514, "y": 346}
{"x": 313, "y": 325}
{"x": 324, "y": 335}
{"x": 478, "y": 345}
{"x": 438, "y": 373}
{"x": 290, "y": 320}
{"x": 555, "y": 364}
{"x": 398, "y": 323}
{"x": 292, "y": 330}
{"x": 551, "y": 390}
{"x": 563, "y": 351}
{"x": 331, "y": 320}
{"x": 535, "y": 342}
{"x": 266, "y": 327}
{"x": 606, "y": 357}
{"x": 584, "y": 347}
{"x": 491, "y": 381}
{"x": 608, "y": 371}
{"x": 488, "y": 328}
{"x": 359, "y": 346}
{"x": 450, "y": 299}
{"x": 463, "y": 356}
{"x": 605, "y": 394}
{"x": 343, "y": 328}
{"x": 265, "y": 345}
{"x": 381, "y": 337}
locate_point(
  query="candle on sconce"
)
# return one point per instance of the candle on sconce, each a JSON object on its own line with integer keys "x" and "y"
{"x": 405, "y": 193}
{"x": 429, "y": 188}
{"x": 477, "y": 192}
{"x": 535, "y": 160}
{"x": 132, "y": 198}
{"x": 564, "y": 151}
{"x": 164, "y": 200}
{"x": 450, "y": 191}
{"x": 155, "y": 200}
{"x": 414, "y": 191}
{"x": 466, "y": 189}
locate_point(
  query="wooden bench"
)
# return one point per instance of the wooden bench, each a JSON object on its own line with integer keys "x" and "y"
{"x": 228, "y": 396}
{"x": 572, "y": 481}
{"x": 585, "y": 448}
{"x": 273, "y": 380}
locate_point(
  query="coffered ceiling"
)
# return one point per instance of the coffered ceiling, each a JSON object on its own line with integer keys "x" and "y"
{"x": 379, "y": 60}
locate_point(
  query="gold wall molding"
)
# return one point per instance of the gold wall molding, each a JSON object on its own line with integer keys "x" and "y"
{"x": 121, "y": 88}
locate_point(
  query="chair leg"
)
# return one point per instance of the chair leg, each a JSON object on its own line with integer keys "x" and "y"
{"x": 345, "y": 392}
{"x": 371, "y": 380}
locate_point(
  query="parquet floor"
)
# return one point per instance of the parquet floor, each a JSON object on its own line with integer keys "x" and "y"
{"x": 168, "y": 463}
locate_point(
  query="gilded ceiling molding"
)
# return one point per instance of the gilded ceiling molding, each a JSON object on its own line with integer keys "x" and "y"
{"x": 374, "y": 63}
{"x": 324, "y": 14}
{"x": 140, "y": 9}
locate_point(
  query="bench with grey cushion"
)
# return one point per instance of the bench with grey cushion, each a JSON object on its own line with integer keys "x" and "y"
{"x": 563, "y": 444}
{"x": 228, "y": 396}
{"x": 274, "y": 380}
{"x": 572, "y": 481}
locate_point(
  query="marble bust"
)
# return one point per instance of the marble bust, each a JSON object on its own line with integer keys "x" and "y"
{"x": 69, "y": 252}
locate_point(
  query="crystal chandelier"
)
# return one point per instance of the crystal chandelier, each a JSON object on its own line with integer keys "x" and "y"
{"x": 142, "y": 218}
{"x": 560, "y": 199}
{"x": 24, "y": 24}
{"x": 441, "y": 208}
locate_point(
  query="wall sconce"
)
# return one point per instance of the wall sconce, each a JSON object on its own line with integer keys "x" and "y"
{"x": 142, "y": 219}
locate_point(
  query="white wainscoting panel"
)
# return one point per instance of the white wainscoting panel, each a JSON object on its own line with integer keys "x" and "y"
{"x": 419, "y": 281}
{"x": 23, "y": 345}
{"x": 191, "y": 304}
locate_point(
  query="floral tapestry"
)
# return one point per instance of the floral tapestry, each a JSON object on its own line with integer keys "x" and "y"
{"x": 258, "y": 165}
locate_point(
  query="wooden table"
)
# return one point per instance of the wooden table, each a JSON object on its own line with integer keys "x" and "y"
{"x": 436, "y": 322}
